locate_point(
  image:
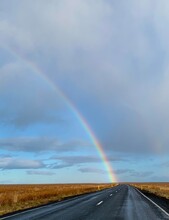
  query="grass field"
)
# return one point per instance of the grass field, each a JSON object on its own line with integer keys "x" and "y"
{"x": 159, "y": 189}
{"x": 18, "y": 197}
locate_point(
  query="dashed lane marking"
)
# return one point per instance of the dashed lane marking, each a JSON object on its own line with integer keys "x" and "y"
{"x": 99, "y": 203}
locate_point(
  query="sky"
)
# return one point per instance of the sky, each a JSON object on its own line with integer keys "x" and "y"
{"x": 67, "y": 64}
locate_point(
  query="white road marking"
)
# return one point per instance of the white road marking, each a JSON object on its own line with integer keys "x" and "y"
{"x": 100, "y": 203}
{"x": 110, "y": 194}
{"x": 153, "y": 202}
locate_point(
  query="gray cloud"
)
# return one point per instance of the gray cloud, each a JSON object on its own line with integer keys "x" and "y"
{"x": 5, "y": 155}
{"x": 40, "y": 172}
{"x": 7, "y": 181}
{"x": 78, "y": 159}
{"x": 122, "y": 171}
{"x": 159, "y": 178}
{"x": 25, "y": 98}
{"x": 146, "y": 174}
{"x": 134, "y": 173}
{"x": 68, "y": 161}
{"x": 9, "y": 163}
{"x": 91, "y": 170}
{"x": 39, "y": 144}
{"x": 114, "y": 68}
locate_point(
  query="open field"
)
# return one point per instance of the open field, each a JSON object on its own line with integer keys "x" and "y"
{"x": 159, "y": 189}
{"x": 18, "y": 197}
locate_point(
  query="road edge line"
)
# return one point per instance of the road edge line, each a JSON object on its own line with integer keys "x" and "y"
{"x": 153, "y": 202}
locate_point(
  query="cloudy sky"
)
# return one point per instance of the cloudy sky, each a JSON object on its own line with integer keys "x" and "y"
{"x": 110, "y": 59}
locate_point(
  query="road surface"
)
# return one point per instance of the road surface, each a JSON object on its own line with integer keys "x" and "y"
{"x": 118, "y": 203}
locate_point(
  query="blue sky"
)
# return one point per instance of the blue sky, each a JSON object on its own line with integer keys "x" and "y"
{"x": 110, "y": 59}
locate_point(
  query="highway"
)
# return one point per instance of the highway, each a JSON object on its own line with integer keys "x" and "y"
{"x": 120, "y": 202}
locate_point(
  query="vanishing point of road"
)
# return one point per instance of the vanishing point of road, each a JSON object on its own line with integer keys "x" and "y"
{"x": 122, "y": 202}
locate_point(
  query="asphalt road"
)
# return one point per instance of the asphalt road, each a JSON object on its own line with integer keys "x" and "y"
{"x": 120, "y": 202}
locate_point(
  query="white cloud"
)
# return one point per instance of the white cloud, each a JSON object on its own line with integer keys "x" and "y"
{"x": 15, "y": 163}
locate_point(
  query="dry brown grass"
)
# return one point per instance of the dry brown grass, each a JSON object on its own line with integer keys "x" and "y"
{"x": 18, "y": 197}
{"x": 159, "y": 189}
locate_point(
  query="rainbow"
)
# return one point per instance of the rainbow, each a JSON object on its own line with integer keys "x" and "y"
{"x": 68, "y": 102}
